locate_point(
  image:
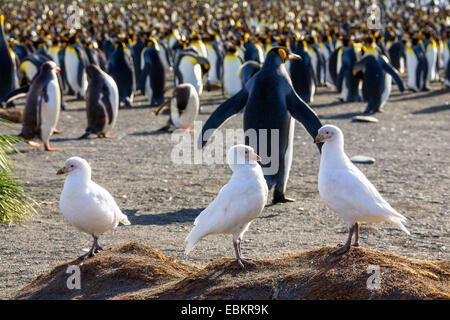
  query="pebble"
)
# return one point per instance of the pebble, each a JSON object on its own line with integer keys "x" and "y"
{"x": 365, "y": 119}
{"x": 362, "y": 159}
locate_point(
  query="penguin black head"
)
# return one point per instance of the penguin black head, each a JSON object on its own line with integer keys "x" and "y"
{"x": 49, "y": 66}
{"x": 284, "y": 53}
{"x": 92, "y": 71}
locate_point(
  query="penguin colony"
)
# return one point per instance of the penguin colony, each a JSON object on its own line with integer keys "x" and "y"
{"x": 268, "y": 58}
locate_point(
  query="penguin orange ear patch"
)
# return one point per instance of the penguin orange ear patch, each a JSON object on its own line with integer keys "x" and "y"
{"x": 282, "y": 54}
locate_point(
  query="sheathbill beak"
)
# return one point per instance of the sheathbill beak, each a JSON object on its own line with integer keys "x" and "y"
{"x": 62, "y": 171}
{"x": 319, "y": 139}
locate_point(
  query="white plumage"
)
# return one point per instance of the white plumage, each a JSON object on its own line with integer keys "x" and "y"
{"x": 238, "y": 202}
{"x": 346, "y": 190}
{"x": 86, "y": 205}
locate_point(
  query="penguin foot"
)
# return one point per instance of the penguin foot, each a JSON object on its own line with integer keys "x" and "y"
{"x": 105, "y": 136}
{"x": 279, "y": 197}
{"x": 48, "y": 148}
{"x": 84, "y": 136}
{"x": 33, "y": 143}
{"x": 56, "y": 131}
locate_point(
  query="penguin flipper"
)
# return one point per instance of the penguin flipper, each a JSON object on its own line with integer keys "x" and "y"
{"x": 394, "y": 75}
{"x": 15, "y": 94}
{"x": 341, "y": 76}
{"x": 227, "y": 109}
{"x": 304, "y": 114}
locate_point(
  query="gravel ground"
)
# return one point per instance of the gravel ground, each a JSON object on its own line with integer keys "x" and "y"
{"x": 162, "y": 199}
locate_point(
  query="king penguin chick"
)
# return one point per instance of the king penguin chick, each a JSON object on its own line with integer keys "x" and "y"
{"x": 346, "y": 190}
{"x": 237, "y": 204}
{"x": 86, "y": 205}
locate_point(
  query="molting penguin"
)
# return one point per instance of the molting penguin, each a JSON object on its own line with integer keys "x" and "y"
{"x": 190, "y": 68}
{"x": 121, "y": 69}
{"x": 153, "y": 74}
{"x": 7, "y": 64}
{"x": 248, "y": 70}
{"x": 377, "y": 81}
{"x": 231, "y": 64}
{"x": 42, "y": 106}
{"x": 102, "y": 102}
{"x": 271, "y": 104}
{"x": 184, "y": 106}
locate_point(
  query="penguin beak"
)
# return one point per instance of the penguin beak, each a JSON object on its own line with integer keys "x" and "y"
{"x": 62, "y": 171}
{"x": 58, "y": 69}
{"x": 293, "y": 56}
{"x": 319, "y": 139}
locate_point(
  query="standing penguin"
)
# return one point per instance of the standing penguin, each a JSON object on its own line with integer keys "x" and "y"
{"x": 231, "y": 64}
{"x": 7, "y": 64}
{"x": 102, "y": 102}
{"x": 121, "y": 68}
{"x": 153, "y": 74}
{"x": 417, "y": 65}
{"x": 42, "y": 106}
{"x": 377, "y": 81}
{"x": 347, "y": 82}
{"x": 190, "y": 68}
{"x": 75, "y": 61}
{"x": 184, "y": 106}
{"x": 271, "y": 104}
{"x": 215, "y": 58}
{"x": 302, "y": 74}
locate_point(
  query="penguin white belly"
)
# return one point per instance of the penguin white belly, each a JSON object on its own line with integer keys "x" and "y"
{"x": 411, "y": 64}
{"x": 231, "y": 82}
{"x": 190, "y": 113}
{"x": 71, "y": 62}
{"x": 402, "y": 65}
{"x": 432, "y": 59}
{"x": 213, "y": 77}
{"x": 313, "y": 90}
{"x": 387, "y": 89}
{"x": 314, "y": 59}
{"x": 50, "y": 110}
{"x": 192, "y": 73}
{"x": 288, "y": 153}
{"x": 148, "y": 88}
{"x": 113, "y": 99}
{"x": 163, "y": 57}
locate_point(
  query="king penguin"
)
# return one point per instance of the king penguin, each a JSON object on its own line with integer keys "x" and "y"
{"x": 190, "y": 67}
{"x": 377, "y": 81}
{"x": 75, "y": 60}
{"x": 7, "y": 64}
{"x": 248, "y": 70}
{"x": 302, "y": 73}
{"x": 121, "y": 69}
{"x": 42, "y": 106}
{"x": 153, "y": 73}
{"x": 102, "y": 102}
{"x": 184, "y": 106}
{"x": 271, "y": 104}
{"x": 231, "y": 64}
